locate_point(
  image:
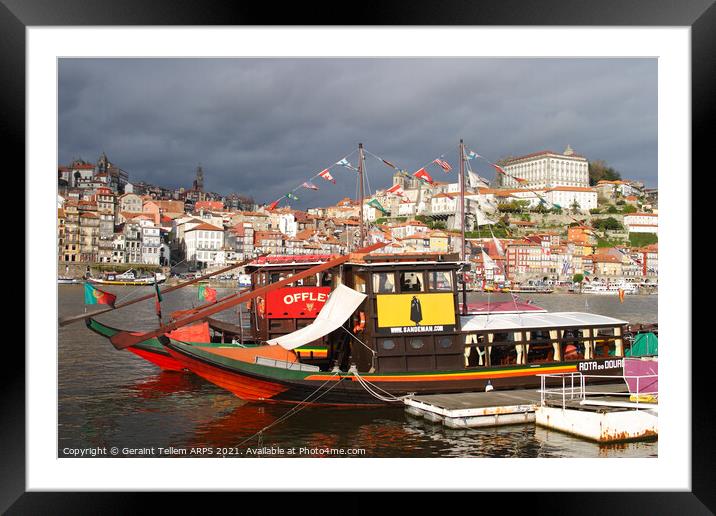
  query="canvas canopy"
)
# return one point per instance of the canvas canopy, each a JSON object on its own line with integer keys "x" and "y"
{"x": 497, "y": 322}
{"x": 341, "y": 304}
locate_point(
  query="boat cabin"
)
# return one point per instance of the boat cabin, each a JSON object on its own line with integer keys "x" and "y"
{"x": 411, "y": 321}
{"x": 292, "y": 307}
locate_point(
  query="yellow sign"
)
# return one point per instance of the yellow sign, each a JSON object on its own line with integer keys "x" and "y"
{"x": 407, "y": 313}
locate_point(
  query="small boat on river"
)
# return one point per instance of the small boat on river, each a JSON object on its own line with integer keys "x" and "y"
{"x": 129, "y": 277}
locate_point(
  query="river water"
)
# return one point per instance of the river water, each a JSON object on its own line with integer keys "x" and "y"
{"x": 112, "y": 399}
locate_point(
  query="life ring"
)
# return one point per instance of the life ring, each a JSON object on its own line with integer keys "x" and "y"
{"x": 260, "y": 306}
{"x": 360, "y": 325}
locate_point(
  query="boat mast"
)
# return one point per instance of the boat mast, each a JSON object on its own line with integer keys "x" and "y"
{"x": 462, "y": 224}
{"x": 462, "y": 199}
{"x": 361, "y": 193}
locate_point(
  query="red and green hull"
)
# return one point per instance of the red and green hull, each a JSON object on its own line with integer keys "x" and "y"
{"x": 257, "y": 382}
{"x": 150, "y": 350}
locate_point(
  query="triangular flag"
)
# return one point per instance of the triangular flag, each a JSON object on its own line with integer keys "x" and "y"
{"x": 487, "y": 261}
{"x": 498, "y": 247}
{"x": 327, "y": 176}
{"x": 395, "y": 190}
{"x": 273, "y": 205}
{"x": 475, "y": 181}
{"x": 309, "y": 186}
{"x": 443, "y": 165}
{"x": 289, "y": 195}
{"x": 499, "y": 169}
{"x": 378, "y": 206}
{"x": 472, "y": 155}
{"x": 389, "y": 163}
{"x": 423, "y": 174}
{"x": 345, "y": 163}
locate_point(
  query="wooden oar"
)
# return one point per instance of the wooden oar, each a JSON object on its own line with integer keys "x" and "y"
{"x": 63, "y": 321}
{"x": 126, "y": 339}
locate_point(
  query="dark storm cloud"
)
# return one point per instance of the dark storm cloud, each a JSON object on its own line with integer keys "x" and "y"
{"x": 263, "y": 126}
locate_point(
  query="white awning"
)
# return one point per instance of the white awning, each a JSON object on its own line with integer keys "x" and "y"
{"x": 496, "y": 322}
{"x": 341, "y": 304}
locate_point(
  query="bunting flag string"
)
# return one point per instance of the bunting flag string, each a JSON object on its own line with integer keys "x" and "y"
{"x": 396, "y": 190}
{"x": 443, "y": 164}
{"x": 345, "y": 163}
{"x": 308, "y": 184}
{"x": 327, "y": 176}
{"x": 424, "y": 176}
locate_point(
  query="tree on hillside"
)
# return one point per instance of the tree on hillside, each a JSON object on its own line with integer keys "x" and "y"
{"x": 599, "y": 170}
{"x": 609, "y": 223}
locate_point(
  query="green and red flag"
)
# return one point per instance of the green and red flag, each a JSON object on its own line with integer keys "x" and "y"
{"x": 207, "y": 294}
{"x": 94, "y": 296}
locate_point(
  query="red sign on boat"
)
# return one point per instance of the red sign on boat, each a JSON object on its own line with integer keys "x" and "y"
{"x": 296, "y": 302}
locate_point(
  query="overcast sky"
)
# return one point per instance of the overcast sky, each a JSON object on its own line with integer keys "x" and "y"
{"x": 263, "y": 126}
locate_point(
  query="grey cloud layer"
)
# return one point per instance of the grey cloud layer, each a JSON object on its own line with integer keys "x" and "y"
{"x": 263, "y": 126}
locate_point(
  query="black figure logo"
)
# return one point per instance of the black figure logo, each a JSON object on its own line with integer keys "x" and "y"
{"x": 416, "y": 311}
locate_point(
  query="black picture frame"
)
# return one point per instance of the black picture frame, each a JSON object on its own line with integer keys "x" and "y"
{"x": 16, "y": 15}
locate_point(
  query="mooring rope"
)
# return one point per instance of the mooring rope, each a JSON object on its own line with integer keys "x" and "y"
{"x": 372, "y": 390}
{"x": 295, "y": 409}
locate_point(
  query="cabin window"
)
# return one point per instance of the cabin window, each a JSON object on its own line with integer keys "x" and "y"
{"x": 445, "y": 342}
{"x": 274, "y": 277}
{"x": 384, "y": 282}
{"x": 440, "y": 280}
{"x": 503, "y": 353}
{"x": 417, "y": 343}
{"x": 540, "y": 348}
{"x": 605, "y": 343}
{"x": 326, "y": 279}
{"x": 388, "y": 344}
{"x": 310, "y": 281}
{"x": 475, "y": 350}
{"x": 412, "y": 282}
{"x": 573, "y": 345}
{"x": 359, "y": 283}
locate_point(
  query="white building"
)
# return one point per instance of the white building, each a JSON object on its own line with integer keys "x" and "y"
{"x": 151, "y": 243}
{"x": 642, "y": 222}
{"x": 546, "y": 169}
{"x": 203, "y": 243}
{"x": 566, "y": 196}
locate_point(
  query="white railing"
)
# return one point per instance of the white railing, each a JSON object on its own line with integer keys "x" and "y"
{"x": 574, "y": 388}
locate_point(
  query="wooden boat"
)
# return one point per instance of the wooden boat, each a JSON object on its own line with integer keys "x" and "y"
{"x": 129, "y": 277}
{"x": 411, "y": 338}
{"x": 62, "y": 280}
{"x": 151, "y": 349}
{"x": 282, "y": 311}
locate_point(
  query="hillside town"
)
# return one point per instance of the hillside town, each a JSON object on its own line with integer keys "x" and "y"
{"x": 551, "y": 225}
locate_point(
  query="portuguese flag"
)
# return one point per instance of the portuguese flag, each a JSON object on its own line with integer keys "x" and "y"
{"x": 207, "y": 293}
{"x": 95, "y": 296}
